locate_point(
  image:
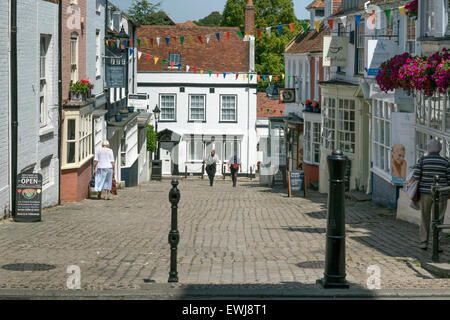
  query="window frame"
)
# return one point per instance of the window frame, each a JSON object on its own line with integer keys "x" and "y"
{"x": 382, "y": 116}
{"x": 428, "y": 15}
{"x": 74, "y": 38}
{"x": 221, "y": 120}
{"x": 83, "y": 138}
{"x": 190, "y": 107}
{"x": 43, "y": 105}
{"x": 98, "y": 54}
{"x": 174, "y": 107}
{"x": 359, "y": 48}
{"x": 175, "y": 65}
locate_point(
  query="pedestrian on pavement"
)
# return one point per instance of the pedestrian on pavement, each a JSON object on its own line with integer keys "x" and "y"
{"x": 211, "y": 162}
{"x": 426, "y": 169}
{"x": 104, "y": 169}
{"x": 233, "y": 165}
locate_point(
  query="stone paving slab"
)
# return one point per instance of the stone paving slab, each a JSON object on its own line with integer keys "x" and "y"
{"x": 249, "y": 235}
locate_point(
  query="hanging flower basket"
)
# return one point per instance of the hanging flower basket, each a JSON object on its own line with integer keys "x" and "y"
{"x": 425, "y": 74}
{"x": 412, "y": 9}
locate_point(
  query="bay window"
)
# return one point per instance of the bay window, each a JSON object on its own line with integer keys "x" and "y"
{"x": 328, "y": 124}
{"x": 346, "y": 125}
{"x": 311, "y": 140}
{"x": 77, "y": 143}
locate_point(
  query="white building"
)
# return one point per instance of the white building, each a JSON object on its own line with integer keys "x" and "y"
{"x": 37, "y": 98}
{"x": 206, "y": 91}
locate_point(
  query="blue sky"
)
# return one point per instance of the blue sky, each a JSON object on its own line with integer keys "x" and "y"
{"x": 183, "y": 10}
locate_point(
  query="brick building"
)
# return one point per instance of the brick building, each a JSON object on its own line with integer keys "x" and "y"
{"x": 204, "y": 91}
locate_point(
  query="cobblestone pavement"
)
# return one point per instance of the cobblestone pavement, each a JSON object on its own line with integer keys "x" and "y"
{"x": 248, "y": 235}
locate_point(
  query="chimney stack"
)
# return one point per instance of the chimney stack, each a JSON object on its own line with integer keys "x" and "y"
{"x": 250, "y": 18}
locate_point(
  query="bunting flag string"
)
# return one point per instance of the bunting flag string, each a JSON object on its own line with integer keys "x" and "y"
{"x": 179, "y": 66}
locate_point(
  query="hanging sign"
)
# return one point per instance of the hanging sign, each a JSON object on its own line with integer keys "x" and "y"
{"x": 116, "y": 72}
{"x": 335, "y": 51}
{"x": 28, "y": 197}
{"x": 378, "y": 52}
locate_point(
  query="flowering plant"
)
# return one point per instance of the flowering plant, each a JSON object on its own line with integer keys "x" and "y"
{"x": 427, "y": 74}
{"x": 411, "y": 9}
{"x": 83, "y": 85}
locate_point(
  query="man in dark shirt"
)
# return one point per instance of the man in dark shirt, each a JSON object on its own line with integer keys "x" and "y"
{"x": 429, "y": 166}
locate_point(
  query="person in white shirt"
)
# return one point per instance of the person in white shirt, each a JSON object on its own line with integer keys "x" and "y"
{"x": 211, "y": 166}
{"x": 104, "y": 169}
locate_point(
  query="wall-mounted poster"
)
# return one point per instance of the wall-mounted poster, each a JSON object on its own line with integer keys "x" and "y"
{"x": 402, "y": 150}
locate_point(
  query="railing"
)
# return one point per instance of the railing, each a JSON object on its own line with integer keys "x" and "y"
{"x": 437, "y": 225}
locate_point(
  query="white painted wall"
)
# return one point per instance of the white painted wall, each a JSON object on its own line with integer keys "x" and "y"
{"x": 244, "y": 128}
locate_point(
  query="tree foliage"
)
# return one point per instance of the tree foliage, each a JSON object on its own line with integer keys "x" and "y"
{"x": 147, "y": 13}
{"x": 151, "y": 138}
{"x": 269, "y": 58}
{"x": 213, "y": 19}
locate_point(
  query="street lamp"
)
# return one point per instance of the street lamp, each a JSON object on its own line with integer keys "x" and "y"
{"x": 157, "y": 112}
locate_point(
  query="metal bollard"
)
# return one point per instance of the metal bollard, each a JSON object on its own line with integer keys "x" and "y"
{"x": 203, "y": 171}
{"x": 334, "y": 275}
{"x": 251, "y": 173}
{"x": 185, "y": 171}
{"x": 224, "y": 171}
{"x": 174, "y": 235}
{"x": 436, "y": 197}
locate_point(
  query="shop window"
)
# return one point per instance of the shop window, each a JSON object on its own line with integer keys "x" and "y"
{"x": 195, "y": 150}
{"x": 328, "y": 122}
{"x": 433, "y": 112}
{"x": 307, "y": 142}
{"x": 382, "y": 135}
{"x": 346, "y": 125}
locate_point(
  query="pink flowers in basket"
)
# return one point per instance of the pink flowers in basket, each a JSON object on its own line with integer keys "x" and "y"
{"x": 427, "y": 74}
{"x": 412, "y": 9}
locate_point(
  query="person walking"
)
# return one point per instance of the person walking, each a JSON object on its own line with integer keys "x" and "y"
{"x": 211, "y": 162}
{"x": 104, "y": 169}
{"x": 234, "y": 164}
{"x": 426, "y": 169}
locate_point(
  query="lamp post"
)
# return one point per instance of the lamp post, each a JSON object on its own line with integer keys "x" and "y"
{"x": 157, "y": 112}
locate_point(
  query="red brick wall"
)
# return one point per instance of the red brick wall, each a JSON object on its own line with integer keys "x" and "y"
{"x": 75, "y": 183}
{"x": 311, "y": 174}
{"x": 250, "y": 18}
{"x": 65, "y": 54}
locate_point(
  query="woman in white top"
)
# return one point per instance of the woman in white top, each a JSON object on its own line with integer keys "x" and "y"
{"x": 104, "y": 169}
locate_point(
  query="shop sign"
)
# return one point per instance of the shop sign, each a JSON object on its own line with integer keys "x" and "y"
{"x": 28, "y": 197}
{"x": 379, "y": 51}
{"x": 335, "y": 51}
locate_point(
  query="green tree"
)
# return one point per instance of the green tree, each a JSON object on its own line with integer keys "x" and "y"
{"x": 269, "y": 58}
{"x": 147, "y": 13}
{"x": 151, "y": 138}
{"x": 213, "y": 19}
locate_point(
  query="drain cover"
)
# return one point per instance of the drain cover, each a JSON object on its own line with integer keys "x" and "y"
{"x": 311, "y": 264}
{"x": 28, "y": 267}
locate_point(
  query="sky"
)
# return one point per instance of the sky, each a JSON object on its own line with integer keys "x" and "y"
{"x": 184, "y": 10}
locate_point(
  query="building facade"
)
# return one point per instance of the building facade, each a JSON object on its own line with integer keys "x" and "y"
{"x": 205, "y": 89}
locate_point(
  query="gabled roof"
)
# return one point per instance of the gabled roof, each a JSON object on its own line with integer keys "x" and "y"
{"x": 264, "y": 103}
{"x": 222, "y": 56}
{"x": 310, "y": 42}
{"x": 316, "y": 4}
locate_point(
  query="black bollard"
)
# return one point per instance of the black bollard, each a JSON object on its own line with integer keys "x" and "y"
{"x": 334, "y": 275}
{"x": 224, "y": 171}
{"x": 185, "y": 171}
{"x": 203, "y": 170}
{"x": 174, "y": 235}
{"x": 436, "y": 197}
{"x": 251, "y": 173}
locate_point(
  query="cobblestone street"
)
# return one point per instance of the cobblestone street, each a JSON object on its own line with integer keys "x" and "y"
{"x": 246, "y": 235}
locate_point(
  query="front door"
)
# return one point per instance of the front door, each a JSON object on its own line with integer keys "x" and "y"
{"x": 166, "y": 157}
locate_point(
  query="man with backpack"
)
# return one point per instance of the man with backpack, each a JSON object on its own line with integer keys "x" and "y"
{"x": 234, "y": 164}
